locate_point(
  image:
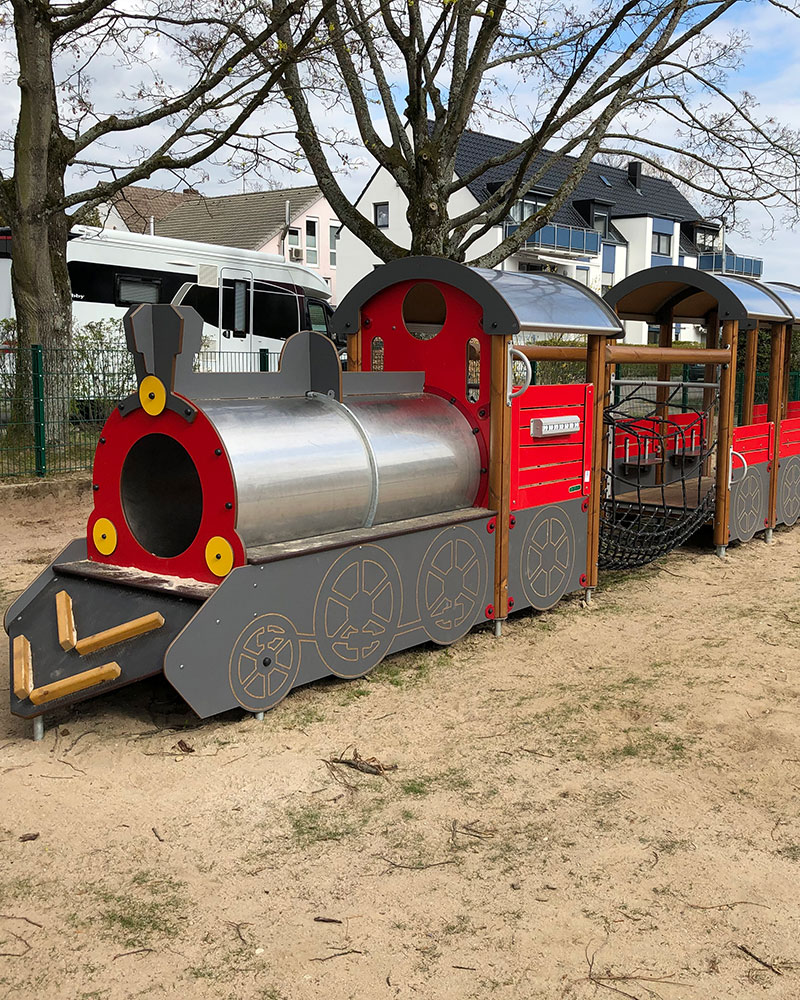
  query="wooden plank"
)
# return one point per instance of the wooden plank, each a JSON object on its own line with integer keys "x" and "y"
{"x": 354, "y": 351}
{"x": 78, "y": 682}
{"x": 276, "y": 551}
{"x": 629, "y": 353}
{"x": 127, "y": 576}
{"x": 709, "y": 395}
{"x": 67, "y": 636}
{"x": 23, "y": 666}
{"x": 749, "y": 387}
{"x": 670, "y": 495}
{"x": 775, "y": 410}
{"x": 500, "y": 469}
{"x": 664, "y": 371}
{"x": 727, "y": 393}
{"x": 596, "y": 374}
{"x": 119, "y": 633}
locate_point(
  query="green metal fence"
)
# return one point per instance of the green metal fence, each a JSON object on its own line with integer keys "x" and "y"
{"x": 53, "y": 403}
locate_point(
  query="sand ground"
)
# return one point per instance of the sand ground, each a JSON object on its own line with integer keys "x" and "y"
{"x": 602, "y": 803}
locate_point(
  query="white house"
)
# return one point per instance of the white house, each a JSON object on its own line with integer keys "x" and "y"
{"x": 618, "y": 221}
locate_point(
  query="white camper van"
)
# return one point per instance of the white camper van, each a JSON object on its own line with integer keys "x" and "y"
{"x": 249, "y": 301}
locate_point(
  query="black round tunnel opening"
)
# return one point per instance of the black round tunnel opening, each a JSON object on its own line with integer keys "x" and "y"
{"x": 162, "y": 498}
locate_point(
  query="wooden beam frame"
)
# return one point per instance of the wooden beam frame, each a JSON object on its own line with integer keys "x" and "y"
{"x": 598, "y": 374}
{"x": 776, "y": 408}
{"x": 500, "y": 468}
{"x": 727, "y": 399}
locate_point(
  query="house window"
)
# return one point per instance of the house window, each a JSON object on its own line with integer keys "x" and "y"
{"x": 606, "y": 281}
{"x": 312, "y": 255}
{"x": 582, "y": 275}
{"x": 662, "y": 244}
{"x": 705, "y": 240}
{"x": 528, "y": 206}
{"x": 601, "y": 223}
{"x": 294, "y": 237}
{"x": 381, "y": 210}
{"x": 334, "y": 239}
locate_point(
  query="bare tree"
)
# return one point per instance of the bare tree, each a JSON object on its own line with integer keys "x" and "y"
{"x": 111, "y": 92}
{"x": 643, "y": 78}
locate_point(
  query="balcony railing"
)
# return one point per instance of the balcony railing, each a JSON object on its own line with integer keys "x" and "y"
{"x": 570, "y": 239}
{"x": 750, "y": 267}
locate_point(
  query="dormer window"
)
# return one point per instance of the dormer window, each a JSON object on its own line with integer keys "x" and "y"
{"x": 600, "y": 222}
{"x": 705, "y": 240}
{"x": 528, "y": 206}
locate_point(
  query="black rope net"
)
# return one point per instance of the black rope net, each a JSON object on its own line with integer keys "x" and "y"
{"x": 655, "y": 492}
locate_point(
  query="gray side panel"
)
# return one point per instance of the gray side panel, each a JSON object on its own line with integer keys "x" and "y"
{"x": 97, "y": 607}
{"x": 278, "y": 625}
{"x": 788, "y": 501}
{"x": 547, "y": 554}
{"x": 377, "y": 383}
{"x": 749, "y": 503}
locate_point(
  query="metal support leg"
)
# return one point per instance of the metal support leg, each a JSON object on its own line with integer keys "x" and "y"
{"x": 258, "y": 716}
{"x": 721, "y": 551}
{"x": 588, "y": 594}
{"x": 38, "y": 728}
{"x": 768, "y": 535}
{"x": 498, "y": 627}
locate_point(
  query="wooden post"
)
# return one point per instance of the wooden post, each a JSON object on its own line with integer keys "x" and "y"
{"x": 662, "y": 394}
{"x": 749, "y": 387}
{"x": 787, "y": 364}
{"x": 775, "y": 410}
{"x": 596, "y": 374}
{"x": 712, "y": 340}
{"x": 354, "y": 351}
{"x": 727, "y": 399}
{"x": 500, "y": 469}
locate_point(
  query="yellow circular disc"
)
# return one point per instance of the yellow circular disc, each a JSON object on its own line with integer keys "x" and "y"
{"x": 104, "y": 535}
{"x": 219, "y": 556}
{"x": 152, "y": 395}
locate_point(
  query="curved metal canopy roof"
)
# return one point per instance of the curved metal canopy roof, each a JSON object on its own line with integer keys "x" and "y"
{"x": 689, "y": 295}
{"x": 540, "y": 303}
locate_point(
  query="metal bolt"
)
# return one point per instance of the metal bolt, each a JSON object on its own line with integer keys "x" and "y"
{"x": 266, "y": 661}
{"x": 102, "y": 440}
{"x": 188, "y": 411}
{"x": 218, "y": 452}
{"x": 476, "y": 430}
{"x": 103, "y": 536}
{"x": 217, "y": 556}
{"x": 151, "y": 395}
{"x": 95, "y": 487}
{"x": 229, "y": 506}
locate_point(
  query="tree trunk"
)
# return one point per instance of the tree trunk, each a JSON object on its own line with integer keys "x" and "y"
{"x": 40, "y": 280}
{"x": 427, "y": 208}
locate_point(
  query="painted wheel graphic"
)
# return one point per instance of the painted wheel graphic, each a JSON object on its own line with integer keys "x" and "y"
{"x": 451, "y": 584}
{"x": 357, "y": 611}
{"x": 789, "y": 490}
{"x": 264, "y": 662}
{"x": 547, "y": 558}
{"x": 747, "y": 507}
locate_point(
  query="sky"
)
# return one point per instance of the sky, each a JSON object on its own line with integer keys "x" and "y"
{"x": 768, "y": 72}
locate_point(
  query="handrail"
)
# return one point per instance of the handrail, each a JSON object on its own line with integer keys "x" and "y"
{"x": 510, "y": 393}
{"x": 730, "y": 467}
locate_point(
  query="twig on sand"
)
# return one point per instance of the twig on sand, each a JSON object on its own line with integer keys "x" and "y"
{"x": 761, "y": 961}
{"x": 338, "y": 954}
{"x": 13, "y": 916}
{"x": 414, "y": 868}
{"x": 608, "y": 980}
{"x": 238, "y": 928}
{"x": 137, "y": 951}
{"x": 16, "y": 954}
{"x": 366, "y": 765}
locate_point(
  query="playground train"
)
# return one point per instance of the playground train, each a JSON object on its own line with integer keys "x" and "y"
{"x": 255, "y": 532}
